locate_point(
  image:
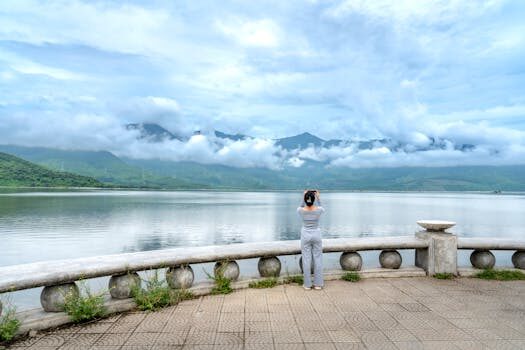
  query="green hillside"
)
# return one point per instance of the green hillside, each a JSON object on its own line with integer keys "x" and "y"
{"x": 107, "y": 168}
{"x": 468, "y": 178}
{"x": 101, "y": 165}
{"x": 18, "y": 172}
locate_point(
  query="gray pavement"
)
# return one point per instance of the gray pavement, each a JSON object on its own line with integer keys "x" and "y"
{"x": 395, "y": 313}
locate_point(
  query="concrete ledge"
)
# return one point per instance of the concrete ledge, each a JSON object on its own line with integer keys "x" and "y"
{"x": 38, "y": 319}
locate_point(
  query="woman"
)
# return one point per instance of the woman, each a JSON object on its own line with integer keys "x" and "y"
{"x": 311, "y": 244}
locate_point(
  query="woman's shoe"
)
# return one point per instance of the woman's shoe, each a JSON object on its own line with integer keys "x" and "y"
{"x": 307, "y": 288}
{"x": 318, "y": 287}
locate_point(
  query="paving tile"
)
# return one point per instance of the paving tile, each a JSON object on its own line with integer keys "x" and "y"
{"x": 110, "y": 339}
{"x": 169, "y": 339}
{"x": 286, "y": 337}
{"x": 399, "y": 335}
{"x": 196, "y": 337}
{"x": 404, "y": 313}
{"x": 258, "y": 346}
{"x": 141, "y": 339}
{"x": 315, "y": 336}
{"x": 258, "y": 338}
{"x": 345, "y": 336}
{"x": 229, "y": 338}
{"x": 289, "y": 346}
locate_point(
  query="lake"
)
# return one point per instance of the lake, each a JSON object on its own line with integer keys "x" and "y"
{"x": 45, "y": 225}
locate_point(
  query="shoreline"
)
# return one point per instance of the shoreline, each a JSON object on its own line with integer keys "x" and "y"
{"x": 137, "y": 189}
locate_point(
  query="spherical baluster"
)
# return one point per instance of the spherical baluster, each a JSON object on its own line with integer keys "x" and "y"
{"x": 228, "y": 269}
{"x": 351, "y": 261}
{"x": 53, "y": 298}
{"x": 518, "y": 259}
{"x": 482, "y": 259}
{"x": 269, "y": 266}
{"x": 390, "y": 259}
{"x": 180, "y": 277}
{"x": 122, "y": 286}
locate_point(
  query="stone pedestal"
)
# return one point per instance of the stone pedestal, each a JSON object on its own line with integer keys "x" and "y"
{"x": 180, "y": 277}
{"x": 121, "y": 286}
{"x": 53, "y": 298}
{"x": 441, "y": 256}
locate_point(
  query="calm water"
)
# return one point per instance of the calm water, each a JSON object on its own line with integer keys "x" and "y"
{"x": 36, "y": 226}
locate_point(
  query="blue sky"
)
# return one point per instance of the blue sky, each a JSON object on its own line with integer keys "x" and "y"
{"x": 73, "y": 72}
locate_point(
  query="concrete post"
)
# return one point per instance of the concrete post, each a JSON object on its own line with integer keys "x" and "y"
{"x": 441, "y": 256}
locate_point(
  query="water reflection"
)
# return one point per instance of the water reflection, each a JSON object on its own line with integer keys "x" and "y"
{"x": 56, "y": 225}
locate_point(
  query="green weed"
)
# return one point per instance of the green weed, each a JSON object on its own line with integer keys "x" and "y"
{"x": 9, "y": 325}
{"x": 501, "y": 275}
{"x": 265, "y": 283}
{"x": 84, "y": 306}
{"x": 157, "y": 294}
{"x": 293, "y": 279}
{"x": 351, "y": 277}
{"x": 444, "y": 276}
{"x": 222, "y": 284}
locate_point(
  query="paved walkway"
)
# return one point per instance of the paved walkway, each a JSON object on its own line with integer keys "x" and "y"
{"x": 397, "y": 313}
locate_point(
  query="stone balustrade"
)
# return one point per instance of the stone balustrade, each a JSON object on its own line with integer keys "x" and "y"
{"x": 435, "y": 252}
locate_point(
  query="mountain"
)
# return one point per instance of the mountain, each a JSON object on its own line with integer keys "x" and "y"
{"x": 236, "y": 137}
{"x": 299, "y": 141}
{"x": 153, "y": 132}
{"x": 219, "y": 176}
{"x": 315, "y": 174}
{"x": 102, "y": 165}
{"x": 16, "y": 172}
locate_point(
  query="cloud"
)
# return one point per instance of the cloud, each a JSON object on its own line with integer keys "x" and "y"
{"x": 207, "y": 149}
{"x": 407, "y": 71}
{"x": 247, "y": 32}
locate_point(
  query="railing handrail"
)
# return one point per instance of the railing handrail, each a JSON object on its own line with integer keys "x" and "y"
{"x": 487, "y": 243}
{"x": 25, "y": 276}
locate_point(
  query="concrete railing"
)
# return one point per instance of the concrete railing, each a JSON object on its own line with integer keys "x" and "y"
{"x": 436, "y": 252}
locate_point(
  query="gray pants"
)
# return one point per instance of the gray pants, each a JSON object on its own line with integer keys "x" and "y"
{"x": 312, "y": 247}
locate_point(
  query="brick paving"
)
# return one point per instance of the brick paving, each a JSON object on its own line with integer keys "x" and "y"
{"x": 396, "y": 313}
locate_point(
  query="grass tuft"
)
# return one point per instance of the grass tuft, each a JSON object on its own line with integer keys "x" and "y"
{"x": 351, "y": 277}
{"x": 157, "y": 294}
{"x": 501, "y": 275}
{"x": 265, "y": 283}
{"x": 9, "y": 325}
{"x": 82, "y": 308}
{"x": 294, "y": 279}
{"x": 222, "y": 284}
{"x": 444, "y": 276}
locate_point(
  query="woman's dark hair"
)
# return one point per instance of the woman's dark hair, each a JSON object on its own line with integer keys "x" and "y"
{"x": 309, "y": 198}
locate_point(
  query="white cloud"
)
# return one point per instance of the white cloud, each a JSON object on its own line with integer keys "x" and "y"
{"x": 248, "y": 32}
{"x": 38, "y": 69}
{"x": 442, "y": 70}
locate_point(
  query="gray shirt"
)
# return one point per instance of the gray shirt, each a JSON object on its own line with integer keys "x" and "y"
{"x": 310, "y": 217}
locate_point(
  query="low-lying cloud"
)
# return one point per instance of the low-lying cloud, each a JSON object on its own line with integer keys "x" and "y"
{"x": 453, "y": 144}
